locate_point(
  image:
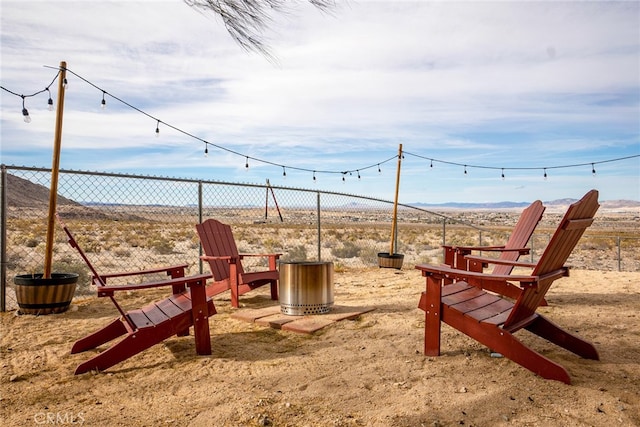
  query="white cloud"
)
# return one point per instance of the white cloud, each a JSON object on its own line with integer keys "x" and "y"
{"x": 465, "y": 82}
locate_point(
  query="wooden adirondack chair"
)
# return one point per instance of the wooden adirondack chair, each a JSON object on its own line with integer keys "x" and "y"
{"x": 225, "y": 262}
{"x": 459, "y": 256}
{"x": 454, "y": 256}
{"x": 491, "y": 319}
{"x": 189, "y": 305}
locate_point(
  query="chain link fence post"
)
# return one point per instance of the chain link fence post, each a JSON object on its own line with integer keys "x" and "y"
{"x": 3, "y": 236}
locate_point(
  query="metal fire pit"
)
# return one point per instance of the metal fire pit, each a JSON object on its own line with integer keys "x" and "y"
{"x": 306, "y": 288}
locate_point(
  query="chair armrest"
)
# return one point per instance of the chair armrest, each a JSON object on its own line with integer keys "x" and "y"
{"x": 230, "y": 259}
{"x": 105, "y": 291}
{"x": 216, "y": 258}
{"x": 522, "y": 251}
{"x": 170, "y": 270}
{"x": 453, "y": 273}
{"x": 487, "y": 260}
{"x": 260, "y": 255}
{"x": 458, "y": 248}
{"x": 478, "y": 279}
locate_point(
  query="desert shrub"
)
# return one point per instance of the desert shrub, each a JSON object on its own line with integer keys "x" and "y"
{"x": 347, "y": 250}
{"x": 296, "y": 253}
{"x": 68, "y": 265}
{"x": 122, "y": 253}
{"x": 89, "y": 245}
{"x": 32, "y": 242}
{"x": 162, "y": 246}
{"x": 369, "y": 255}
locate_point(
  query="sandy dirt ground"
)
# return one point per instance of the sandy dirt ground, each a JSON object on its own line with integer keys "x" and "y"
{"x": 365, "y": 372}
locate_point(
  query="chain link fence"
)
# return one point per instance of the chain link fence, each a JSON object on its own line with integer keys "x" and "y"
{"x": 129, "y": 222}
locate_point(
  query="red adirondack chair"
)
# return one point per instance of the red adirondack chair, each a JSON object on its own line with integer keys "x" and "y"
{"x": 225, "y": 262}
{"x": 189, "y": 305}
{"x": 459, "y": 256}
{"x": 493, "y": 320}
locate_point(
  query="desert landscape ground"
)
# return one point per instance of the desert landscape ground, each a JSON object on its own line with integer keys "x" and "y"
{"x": 370, "y": 371}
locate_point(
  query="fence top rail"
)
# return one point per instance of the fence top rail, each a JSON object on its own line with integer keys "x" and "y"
{"x": 226, "y": 183}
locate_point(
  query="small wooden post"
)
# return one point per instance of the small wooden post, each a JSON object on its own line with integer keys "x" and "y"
{"x": 55, "y": 168}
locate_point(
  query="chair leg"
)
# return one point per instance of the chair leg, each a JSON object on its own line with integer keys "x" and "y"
{"x": 274, "y": 291}
{"x": 432, "y": 316}
{"x": 510, "y": 347}
{"x": 550, "y": 331}
{"x": 235, "y": 303}
{"x": 104, "y": 335}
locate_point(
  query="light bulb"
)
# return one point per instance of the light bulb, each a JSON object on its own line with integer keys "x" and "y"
{"x": 103, "y": 103}
{"x": 50, "y": 104}
{"x": 25, "y": 116}
{"x": 65, "y": 84}
{"x": 158, "y": 129}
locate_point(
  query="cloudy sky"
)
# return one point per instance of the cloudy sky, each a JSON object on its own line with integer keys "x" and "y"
{"x": 502, "y": 87}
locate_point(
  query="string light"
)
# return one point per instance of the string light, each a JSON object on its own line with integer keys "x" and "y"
{"x": 50, "y": 100}
{"x": 314, "y": 176}
{"x": 593, "y": 170}
{"x": 103, "y": 103}
{"x": 206, "y": 150}
{"x": 246, "y": 164}
{"x": 27, "y": 118}
{"x": 158, "y": 129}
{"x": 284, "y": 172}
{"x": 65, "y": 83}
{"x": 25, "y": 112}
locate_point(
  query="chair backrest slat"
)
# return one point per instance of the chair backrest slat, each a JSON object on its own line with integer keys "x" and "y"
{"x": 522, "y": 232}
{"x": 577, "y": 219}
{"x": 217, "y": 240}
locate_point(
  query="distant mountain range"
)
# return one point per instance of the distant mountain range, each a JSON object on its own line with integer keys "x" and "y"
{"x": 24, "y": 193}
{"x": 608, "y": 204}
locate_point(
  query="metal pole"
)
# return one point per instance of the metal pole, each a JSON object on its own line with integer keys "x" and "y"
{"x": 200, "y": 217}
{"x": 444, "y": 236}
{"x": 532, "y": 247}
{"x": 3, "y": 236}
{"x": 319, "y": 228}
{"x": 619, "y": 255}
{"x": 55, "y": 169}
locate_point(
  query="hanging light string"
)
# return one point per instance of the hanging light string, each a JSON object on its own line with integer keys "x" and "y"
{"x": 285, "y": 167}
{"x": 25, "y": 112}
{"x": 504, "y": 168}
{"x": 208, "y": 143}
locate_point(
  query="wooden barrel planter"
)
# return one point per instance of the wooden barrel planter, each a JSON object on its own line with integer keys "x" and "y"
{"x": 386, "y": 260}
{"x": 38, "y": 296}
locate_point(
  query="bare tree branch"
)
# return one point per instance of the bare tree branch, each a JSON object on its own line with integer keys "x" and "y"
{"x": 247, "y": 20}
